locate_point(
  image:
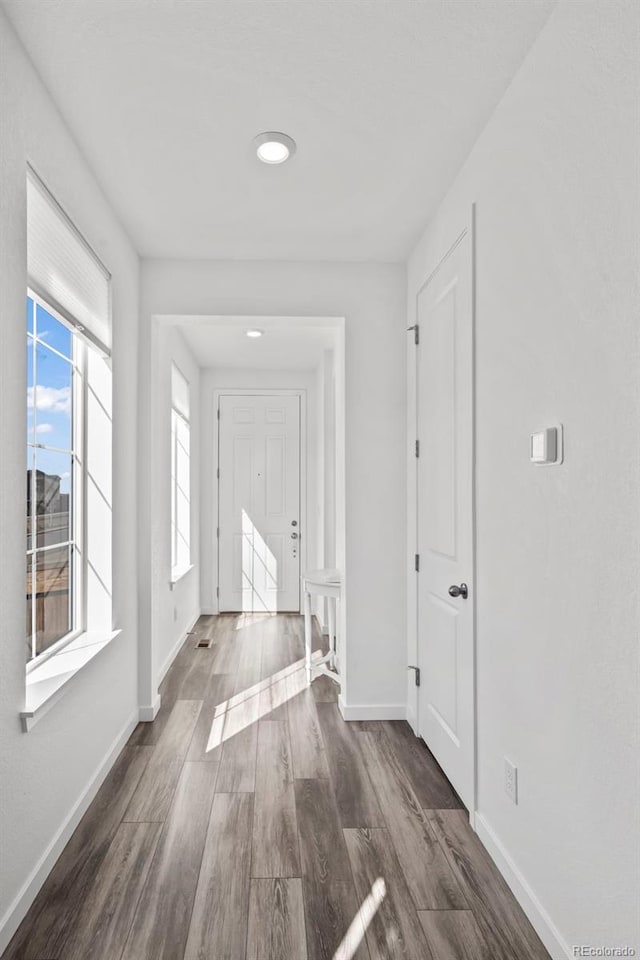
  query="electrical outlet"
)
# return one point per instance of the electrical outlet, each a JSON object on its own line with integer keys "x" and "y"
{"x": 511, "y": 779}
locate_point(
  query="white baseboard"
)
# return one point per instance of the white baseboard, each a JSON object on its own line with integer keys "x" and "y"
{"x": 209, "y": 612}
{"x": 27, "y": 894}
{"x": 540, "y": 919}
{"x": 372, "y": 711}
{"x": 148, "y": 714}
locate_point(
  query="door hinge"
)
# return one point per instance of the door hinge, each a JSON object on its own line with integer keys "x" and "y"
{"x": 218, "y": 532}
{"x": 416, "y": 333}
{"x": 417, "y": 563}
{"x": 217, "y": 591}
{"x": 417, "y": 673}
{"x": 218, "y": 411}
{"x": 417, "y": 448}
{"x": 218, "y": 473}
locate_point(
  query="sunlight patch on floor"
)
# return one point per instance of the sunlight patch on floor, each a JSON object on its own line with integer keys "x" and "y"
{"x": 358, "y": 926}
{"x": 250, "y": 705}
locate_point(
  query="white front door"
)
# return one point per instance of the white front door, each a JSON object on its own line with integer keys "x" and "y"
{"x": 445, "y": 517}
{"x": 259, "y": 503}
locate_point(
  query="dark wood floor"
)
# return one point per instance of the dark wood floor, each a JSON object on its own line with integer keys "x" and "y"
{"x": 249, "y": 821}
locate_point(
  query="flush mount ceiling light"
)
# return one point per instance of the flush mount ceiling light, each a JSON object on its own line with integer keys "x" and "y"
{"x": 254, "y": 333}
{"x": 273, "y": 147}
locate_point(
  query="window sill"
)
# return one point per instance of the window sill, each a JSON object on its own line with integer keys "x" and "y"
{"x": 177, "y": 575}
{"x": 47, "y": 682}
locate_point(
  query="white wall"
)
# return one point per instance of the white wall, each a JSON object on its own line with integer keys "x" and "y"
{"x": 237, "y": 379}
{"x": 326, "y": 467}
{"x": 372, "y": 298}
{"x": 555, "y": 178}
{"x": 174, "y": 607}
{"x": 43, "y": 774}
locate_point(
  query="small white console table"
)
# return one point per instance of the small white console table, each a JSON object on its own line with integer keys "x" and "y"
{"x": 322, "y": 583}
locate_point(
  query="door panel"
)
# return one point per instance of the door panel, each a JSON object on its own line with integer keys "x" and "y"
{"x": 259, "y": 503}
{"x": 443, "y": 652}
{"x": 242, "y": 474}
{"x": 445, "y": 516}
{"x": 275, "y": 476}
{"x": 439, "y": 386}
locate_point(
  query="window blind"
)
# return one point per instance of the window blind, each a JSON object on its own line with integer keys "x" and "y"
{"x": 63, "y": 269}
{"x": 179, "y": 392}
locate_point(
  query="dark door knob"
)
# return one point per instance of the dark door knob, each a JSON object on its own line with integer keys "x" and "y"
{"x": 459, "y": 591}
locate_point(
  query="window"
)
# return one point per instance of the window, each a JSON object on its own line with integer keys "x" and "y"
{"x": 180, "y": 475}
{"x": 68, "y": 470}
{"x": 55, "y": 369}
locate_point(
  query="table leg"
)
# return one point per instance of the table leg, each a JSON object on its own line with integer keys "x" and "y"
{"x": 308, "y": 634}
{"x": 332, "y": 630}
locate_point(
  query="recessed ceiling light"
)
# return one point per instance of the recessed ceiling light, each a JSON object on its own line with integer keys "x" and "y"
{"x": 273, "y": 147}
{"x": 254, "y": 333}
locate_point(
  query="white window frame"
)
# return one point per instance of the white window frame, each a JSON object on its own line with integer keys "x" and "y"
{"x": 78, "y": 582}
{"x": 66, "y": 277}
{"x": 178, "y": 416}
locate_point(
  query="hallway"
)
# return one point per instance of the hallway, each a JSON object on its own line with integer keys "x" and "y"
{"x": 249, "y": 820}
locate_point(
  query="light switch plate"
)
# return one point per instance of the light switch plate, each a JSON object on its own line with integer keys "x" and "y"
{"x": 546, "y": 448}
{"x": 511, "y": 780}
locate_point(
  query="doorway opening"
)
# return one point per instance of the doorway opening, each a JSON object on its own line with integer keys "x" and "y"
{"x": 243, "y": 557}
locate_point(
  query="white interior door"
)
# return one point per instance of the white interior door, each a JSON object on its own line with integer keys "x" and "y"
{"x": 259, "y": 503}
{"x": 445, "y": 517}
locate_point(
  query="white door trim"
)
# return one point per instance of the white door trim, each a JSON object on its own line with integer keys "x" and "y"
{"x": 301, "y": 393}
{"x": 468, "y": 229}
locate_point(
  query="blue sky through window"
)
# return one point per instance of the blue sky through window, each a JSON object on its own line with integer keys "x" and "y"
{"x": 49, "y": 393}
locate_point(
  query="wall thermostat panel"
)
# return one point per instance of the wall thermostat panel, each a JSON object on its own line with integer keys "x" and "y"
{"x": 546, "y": 448}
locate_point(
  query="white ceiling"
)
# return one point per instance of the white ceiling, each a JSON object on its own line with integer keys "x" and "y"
{"x": 288, "y": 343}
{"x": 384, "y": 99}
